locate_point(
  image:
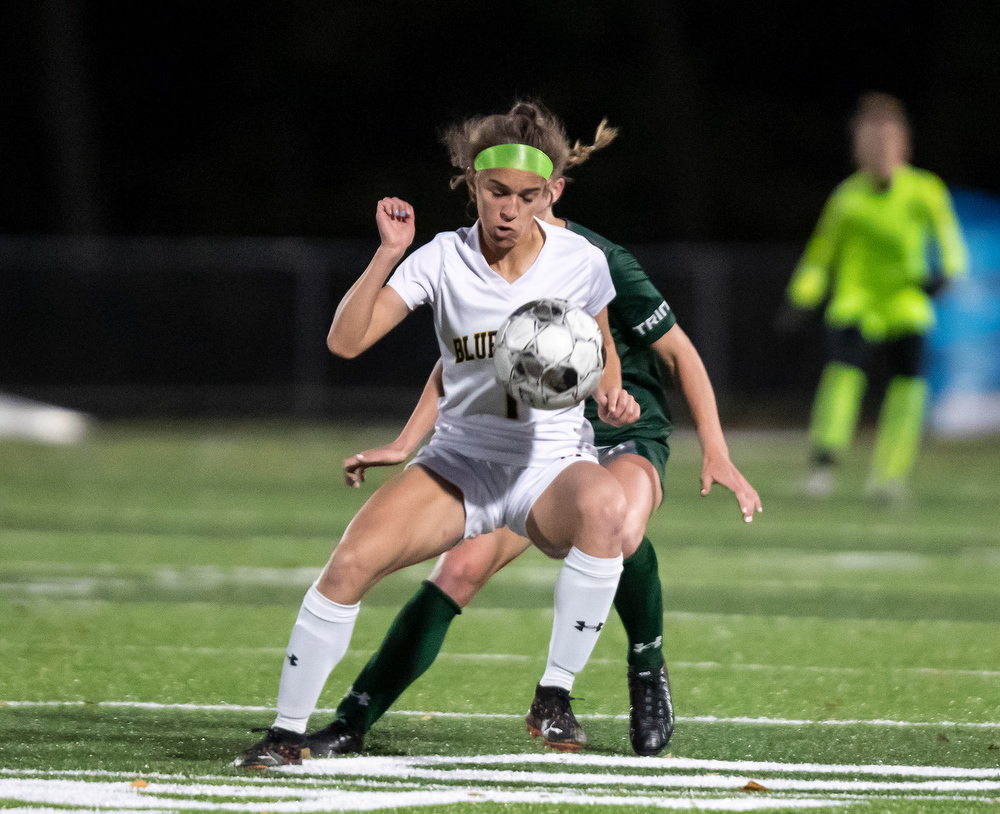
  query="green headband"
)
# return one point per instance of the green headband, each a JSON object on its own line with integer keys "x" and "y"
{"x": 515, "y": 157}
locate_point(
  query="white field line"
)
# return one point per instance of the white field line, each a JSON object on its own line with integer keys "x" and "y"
{"x": 668, "y": 783}
{"x": 403, "y": 767}
{"x": 510, "y": 715}
{"x": 792, "y": 668}
{"x": 155, "y": 797}
{"x": 663, "y": 764}
{"x": 381, "y": 767}
{"x": 789, "y": 561}
{"x": 515, "y": 657}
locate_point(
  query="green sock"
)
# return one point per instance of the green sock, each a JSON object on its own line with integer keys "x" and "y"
{"x": 900, "y": 422}
{"x": 836, "y": 407}
{"x": 408, "y": 649}
{"x": 639, "y": 602}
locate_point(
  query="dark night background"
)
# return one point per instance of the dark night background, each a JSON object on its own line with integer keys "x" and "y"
{"x": 223, "y": 119}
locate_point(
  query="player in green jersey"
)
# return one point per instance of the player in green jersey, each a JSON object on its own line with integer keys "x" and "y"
{"x": 645, "y": 331}
{"x": 887, "y": 240}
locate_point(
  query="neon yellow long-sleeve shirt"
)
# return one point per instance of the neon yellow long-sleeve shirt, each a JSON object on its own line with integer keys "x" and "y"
{"x": 869, "y": 254}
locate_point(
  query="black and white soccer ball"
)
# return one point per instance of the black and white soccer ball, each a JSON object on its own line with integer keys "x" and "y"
{"x": 549, "y": 354}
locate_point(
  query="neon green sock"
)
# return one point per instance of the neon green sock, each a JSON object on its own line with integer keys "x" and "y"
{"x": 836, "y": 407}
{"x": 409, "y": 648}
{"x": 639, "y": 602}
{"x": 899, "y": 426}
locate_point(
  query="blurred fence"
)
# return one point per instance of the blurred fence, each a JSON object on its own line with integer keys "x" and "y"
{"x": 182, "y": 327}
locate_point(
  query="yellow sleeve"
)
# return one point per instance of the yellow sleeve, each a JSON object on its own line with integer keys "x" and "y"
{"x": 811, "y": 278}
{"x": 954, "y": 255}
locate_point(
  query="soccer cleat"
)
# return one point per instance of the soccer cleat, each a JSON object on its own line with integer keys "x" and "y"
{"x": 279, "y": 747}
{"x": 820, "y": 482}
{"x": 551, "y": 718}
{"x": 891, "y": 494}
{"x": 651, "y": 714}
{"x": 336, "y": 739}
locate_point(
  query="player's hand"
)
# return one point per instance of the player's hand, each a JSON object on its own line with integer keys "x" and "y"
{"x": 355, "y": 466}
{"x": 935, "y": 284}
{"x": 396, "y": 223}
{"x": 719, "y": 469}
{"x": 616, "y": 407}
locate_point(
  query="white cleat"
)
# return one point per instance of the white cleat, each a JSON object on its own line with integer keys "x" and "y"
{"x": 820, "y": 482}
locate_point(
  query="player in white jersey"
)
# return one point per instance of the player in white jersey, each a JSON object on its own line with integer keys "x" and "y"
{"x": 470, "y": 301}
{"x": 491, "y": 462}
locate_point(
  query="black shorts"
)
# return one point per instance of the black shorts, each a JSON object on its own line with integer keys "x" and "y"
{"x": 902, "y": 356}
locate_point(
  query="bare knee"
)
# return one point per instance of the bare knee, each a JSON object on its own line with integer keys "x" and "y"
{"x": 461, "y": 580}
{"x": 602, "y": 511}
{"x": 464, "y": 570}
{"x": 633, "y": 530}
{"x": 348, "y": 575}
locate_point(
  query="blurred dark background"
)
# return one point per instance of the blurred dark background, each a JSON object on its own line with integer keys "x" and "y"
{"x": 190, "y": 186}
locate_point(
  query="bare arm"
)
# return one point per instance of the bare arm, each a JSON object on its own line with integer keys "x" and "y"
{"x": 684, "y": 362}
{"x": 614, "y": 406}
{"x": 420, "y": 423}
{"x": 370, "y": 309}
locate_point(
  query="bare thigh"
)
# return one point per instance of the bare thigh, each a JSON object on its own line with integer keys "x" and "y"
{"x": 464, "y": 570}
{"x": 641, "y": 483}
{"x": 583, "y": 507}
{"x": 415, "y": 516}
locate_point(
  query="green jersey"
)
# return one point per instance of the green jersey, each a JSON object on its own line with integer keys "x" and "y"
{"x": 638, "y": 316}
{"x": 870, "y": 254}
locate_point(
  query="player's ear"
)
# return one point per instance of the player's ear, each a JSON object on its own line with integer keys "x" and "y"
{"x": 556, "y": 188}
{"x": 470, "y": 183}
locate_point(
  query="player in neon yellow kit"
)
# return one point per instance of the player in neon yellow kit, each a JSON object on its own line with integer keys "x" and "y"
{"x": 869, "y": 259}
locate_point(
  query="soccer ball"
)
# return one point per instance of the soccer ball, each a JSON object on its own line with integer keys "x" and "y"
{"x": 549, "y": 354}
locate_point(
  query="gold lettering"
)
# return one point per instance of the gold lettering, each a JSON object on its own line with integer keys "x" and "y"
{"x": 483, "y": 346}
{"x": 480, "y": 340}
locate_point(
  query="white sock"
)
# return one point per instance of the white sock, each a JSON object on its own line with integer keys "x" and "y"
{"x": 319, "y": 640}
{"x": 585, "y": 591}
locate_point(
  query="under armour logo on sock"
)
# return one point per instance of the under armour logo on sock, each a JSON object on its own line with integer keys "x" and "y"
{"x": 363, "y": 698}
{"x": 292, "y": 659}
{"x": 584, "y": 626}
{"x": 640, "y": 648}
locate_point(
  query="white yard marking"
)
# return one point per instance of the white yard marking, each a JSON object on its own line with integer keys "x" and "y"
{"x": 796, "y": 668}
{"x": 709, "y": 719}
{"x": 410, "y": 768}
{"x": 82, "y": 795}
{"x": 691, "y": 764}
{"x": 516, "y": 657}
{"x": 380, "y": 783}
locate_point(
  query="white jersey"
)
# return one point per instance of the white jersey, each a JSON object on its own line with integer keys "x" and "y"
{"x": 470, "y": 302}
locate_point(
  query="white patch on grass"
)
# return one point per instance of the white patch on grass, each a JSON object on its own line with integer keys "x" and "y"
{"x": 878, "y": 561}
{"x": 380, "y": 783}
{"x": 75, "y": 795}
{"x": 709, "y": 719}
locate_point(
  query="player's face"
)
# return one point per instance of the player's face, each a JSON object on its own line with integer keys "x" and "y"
{"x": 880, "y": 145}
{"x": 508, "y": 202}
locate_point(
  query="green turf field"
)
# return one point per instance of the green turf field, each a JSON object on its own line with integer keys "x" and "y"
{"x": 832, "y": 655}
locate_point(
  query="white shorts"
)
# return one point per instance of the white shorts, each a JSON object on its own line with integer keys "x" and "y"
{"x": 495, "y": 494}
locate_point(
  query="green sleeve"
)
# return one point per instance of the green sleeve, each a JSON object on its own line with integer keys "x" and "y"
{"x": 947, "y": 231}
{"x": 811, "y": 279}
{"x": 639, "y": 309}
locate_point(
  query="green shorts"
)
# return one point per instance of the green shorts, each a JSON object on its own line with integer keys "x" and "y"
{"x": 654, "y": 450}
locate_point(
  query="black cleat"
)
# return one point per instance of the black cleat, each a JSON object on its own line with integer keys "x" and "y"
{"x": 651, "y": 714}
{"x": 551, "y": 718}
{"x": 278, "y": 747}
{"x": 336, "y": 739}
